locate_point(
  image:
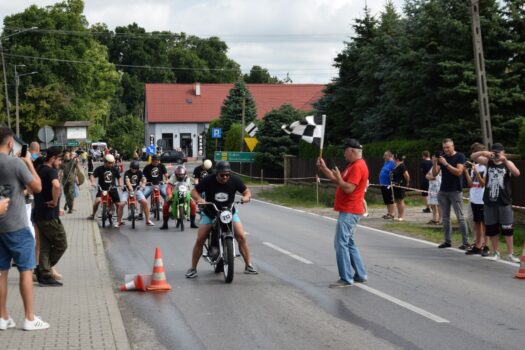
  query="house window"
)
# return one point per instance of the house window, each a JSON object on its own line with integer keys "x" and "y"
{"x": 167, "y": 141}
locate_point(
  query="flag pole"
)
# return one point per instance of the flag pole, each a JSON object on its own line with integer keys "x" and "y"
{"x": 322, "y": 137}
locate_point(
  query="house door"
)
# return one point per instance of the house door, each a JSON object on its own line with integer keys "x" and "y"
{"x": 186, "y": 144}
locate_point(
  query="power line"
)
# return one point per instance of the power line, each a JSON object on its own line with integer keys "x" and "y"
{"x": 283, "y": 71}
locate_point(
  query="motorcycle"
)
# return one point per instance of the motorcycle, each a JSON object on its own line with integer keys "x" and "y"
{"x": 132, "y": 207}
{"x": 180, "y": 204}
{"x": 220, "y": 249}
{"x": 108, "y": 207}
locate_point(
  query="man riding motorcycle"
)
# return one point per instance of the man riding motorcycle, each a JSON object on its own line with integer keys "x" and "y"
{"x": 134, "y": 180}
{"x": 179, "y": 177}
{"x": 155, "y": 174}
{"x": 220, "y": 189}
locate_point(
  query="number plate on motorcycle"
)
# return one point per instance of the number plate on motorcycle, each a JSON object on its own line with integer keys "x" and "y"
{"x": 226, "y": 217}
{"x": 183, "y": 188}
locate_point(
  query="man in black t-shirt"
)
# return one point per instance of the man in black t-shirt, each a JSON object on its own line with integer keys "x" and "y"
{"x": 134, "y": 180}
{"x": 155, "y": 173}
{"x": 53, "y": 240}
{"x": 203, "y": 170}
{"x": 220, "y": 189}
{"x": 497, "y": 198}
{"x": 108, "y": 180}
{"x": 452, "y": 164}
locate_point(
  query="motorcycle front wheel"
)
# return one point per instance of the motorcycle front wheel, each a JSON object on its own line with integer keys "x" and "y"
{"x": 228, "y": 259}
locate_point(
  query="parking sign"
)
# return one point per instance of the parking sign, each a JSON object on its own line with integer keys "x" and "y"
{"x": 216, "y": 133}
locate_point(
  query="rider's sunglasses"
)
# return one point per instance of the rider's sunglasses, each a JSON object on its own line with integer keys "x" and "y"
{"x": 224, "y": 175}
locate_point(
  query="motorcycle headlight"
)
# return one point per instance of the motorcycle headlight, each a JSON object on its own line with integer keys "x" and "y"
{"x": 104, "y": 193}
{"x": 226, "y": 217}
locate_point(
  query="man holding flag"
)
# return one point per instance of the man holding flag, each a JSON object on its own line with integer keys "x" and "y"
{"x": 349, "y": 195}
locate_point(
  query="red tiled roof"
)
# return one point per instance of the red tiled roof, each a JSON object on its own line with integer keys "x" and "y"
{"x": 177, "y": 103}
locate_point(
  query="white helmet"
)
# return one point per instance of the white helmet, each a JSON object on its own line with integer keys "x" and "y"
{"x": 207, "y": 164}
{"x": 109, "y": 158}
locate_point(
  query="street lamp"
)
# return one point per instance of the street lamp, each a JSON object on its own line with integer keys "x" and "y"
{"x": 17, "y": 83}
{"x": 3, "y": 68}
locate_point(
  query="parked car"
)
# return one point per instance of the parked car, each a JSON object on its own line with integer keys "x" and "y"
{"x": 173, "y": 157}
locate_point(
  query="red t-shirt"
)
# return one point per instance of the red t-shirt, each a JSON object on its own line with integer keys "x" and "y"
{"x": 356, "y": 173}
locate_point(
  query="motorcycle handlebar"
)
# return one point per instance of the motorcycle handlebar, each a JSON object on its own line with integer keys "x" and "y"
{"x": 213, "y": 204}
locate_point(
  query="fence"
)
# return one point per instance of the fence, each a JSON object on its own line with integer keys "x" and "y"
{"x": 306, "y": 168}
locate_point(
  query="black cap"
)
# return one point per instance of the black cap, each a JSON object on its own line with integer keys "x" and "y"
{"x": 222, "y": 166}
{"x": 497, "y": 147}
{"x": 53, "y": 151}
{"x": 155, "y": 157}
{"x": 352, "y": 143}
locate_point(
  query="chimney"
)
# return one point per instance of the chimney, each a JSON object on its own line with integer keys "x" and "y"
{"x": 197, "y": 89}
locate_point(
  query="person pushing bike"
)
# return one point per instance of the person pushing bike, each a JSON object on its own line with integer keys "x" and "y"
{"x": 135, "y": 181}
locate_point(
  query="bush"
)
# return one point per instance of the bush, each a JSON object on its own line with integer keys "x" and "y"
{"x": 410, "y": 148}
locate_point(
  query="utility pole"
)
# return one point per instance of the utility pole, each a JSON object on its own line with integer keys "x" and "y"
{"x": 3, "y": 68}
{"x": 5, "y": 85}
{"x": 243, "y": 122}
{"x": 481, "y": 77}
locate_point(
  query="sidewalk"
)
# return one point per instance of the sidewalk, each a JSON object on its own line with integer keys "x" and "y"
{"x": 84, "y": 313}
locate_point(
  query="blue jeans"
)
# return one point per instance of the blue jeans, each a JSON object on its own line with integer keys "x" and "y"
{"x": 349, "y": 262}
{"x": 149, "y": 189}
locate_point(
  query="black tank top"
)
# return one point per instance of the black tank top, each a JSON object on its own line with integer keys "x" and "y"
{"x": 497, "y": 188}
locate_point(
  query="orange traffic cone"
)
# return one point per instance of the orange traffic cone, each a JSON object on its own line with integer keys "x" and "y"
{"x": 158, "y": 278}
{"x": 136, "y": 283}
{"x": 521, "y": 272}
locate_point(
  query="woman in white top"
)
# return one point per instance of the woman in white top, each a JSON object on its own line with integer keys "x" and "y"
{"x": 433, "y": 188}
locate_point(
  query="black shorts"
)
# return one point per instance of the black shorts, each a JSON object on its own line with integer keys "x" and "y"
{"x": 477, "y": 212}
{"x": 399, "y": 193}
{"x": 113, "y": 194}
{"x": 424, "y": 187}
{"x": 387, "y": 195}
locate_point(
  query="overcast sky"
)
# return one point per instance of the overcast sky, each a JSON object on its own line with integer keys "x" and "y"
{"x": 297, "y": 36}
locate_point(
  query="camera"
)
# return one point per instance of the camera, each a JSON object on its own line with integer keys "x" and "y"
{"x": 5, "y": 191}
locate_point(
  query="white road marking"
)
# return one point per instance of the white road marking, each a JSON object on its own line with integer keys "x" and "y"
{"x": 390, "y": 233}
{"x": 290, "y": 254}
{"x": 404, "y": 304}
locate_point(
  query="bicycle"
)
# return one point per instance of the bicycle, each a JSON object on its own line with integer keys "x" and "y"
{"x": 108, "y": 207}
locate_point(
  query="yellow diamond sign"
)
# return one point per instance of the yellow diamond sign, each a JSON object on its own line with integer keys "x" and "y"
{"x": 251, "y": 142}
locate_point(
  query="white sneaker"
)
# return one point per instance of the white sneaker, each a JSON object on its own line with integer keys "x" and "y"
{"x": 5, "y": 324}
{"x": 513, "y": 258}
{"x": 35, "y": 325}
{"x": 495, "y": 256}
{"x": 150, "y": 223}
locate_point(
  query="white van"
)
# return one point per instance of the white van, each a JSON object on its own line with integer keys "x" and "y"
{"x": 97, "y": 150}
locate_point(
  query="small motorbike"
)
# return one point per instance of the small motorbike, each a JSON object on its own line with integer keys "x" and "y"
{"x": 220, "y": 249}
{"x": 132, "y": 207}
{"x": 180, "y": 204}
{"x": 108, "y": 207}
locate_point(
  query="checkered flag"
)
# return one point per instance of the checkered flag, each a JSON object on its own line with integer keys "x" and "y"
{"x": 310, "y": 129}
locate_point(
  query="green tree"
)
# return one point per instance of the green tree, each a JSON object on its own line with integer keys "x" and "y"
{"x": 274, "y": 143}
{"x": 232, "y": 141}
{"x": 83, "y": 91}
{"x": 231, "y": 110}
{"x": 260, "y": 75}
{"x": 126, "y": 134}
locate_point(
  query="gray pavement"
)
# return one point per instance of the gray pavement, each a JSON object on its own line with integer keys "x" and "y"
{"x": 83, "y": 313}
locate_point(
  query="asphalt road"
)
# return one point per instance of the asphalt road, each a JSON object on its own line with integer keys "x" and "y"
{"x": 418, "y": 297}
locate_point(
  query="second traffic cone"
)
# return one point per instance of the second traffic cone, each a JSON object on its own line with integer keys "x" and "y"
{"x": 158, "y": 278}
{"x": 521, "y": 272}
{"x": 136, "y": 283}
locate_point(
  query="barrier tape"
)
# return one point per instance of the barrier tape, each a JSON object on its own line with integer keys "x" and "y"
{"x": 318, "y": 179}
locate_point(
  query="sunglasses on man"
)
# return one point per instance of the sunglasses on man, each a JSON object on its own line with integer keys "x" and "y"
{"x": 224, "y": 175}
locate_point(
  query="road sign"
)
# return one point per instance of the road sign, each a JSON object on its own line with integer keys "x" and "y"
{"x": 251, "y": 129}
{"x": 236, "y": 157}
{"x": 150, "y": 150}
{"x": 251, "y": 142}
{"x": 46, "y": 134}
{"x": 73, "y": 143}
{"x": 216, "y": 133}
